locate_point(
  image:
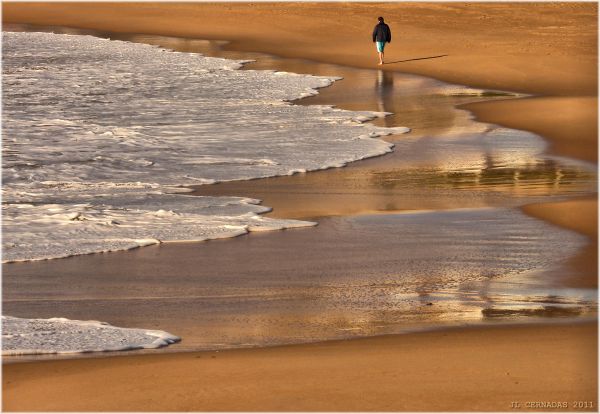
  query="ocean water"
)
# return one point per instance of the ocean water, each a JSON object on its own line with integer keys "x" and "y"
{"x": 63, "y": 336}
{"x": 101, "y": 137}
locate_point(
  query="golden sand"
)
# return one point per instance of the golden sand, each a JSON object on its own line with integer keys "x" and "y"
{"x": 545, "y": 49}
{"x": 456, "y": 370}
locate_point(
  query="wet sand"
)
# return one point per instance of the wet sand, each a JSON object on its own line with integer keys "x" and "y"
{"x": 569, "y": 123}
{"x": 580, "y": 215}
{"x": 453, "y": 370}
{"x": 349, "y": 277}
{"x": 477, "y": 358}
{"x": 354, "y": 274}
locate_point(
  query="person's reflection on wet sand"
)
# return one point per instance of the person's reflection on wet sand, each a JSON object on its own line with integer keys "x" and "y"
{"x": 384, "y": 87}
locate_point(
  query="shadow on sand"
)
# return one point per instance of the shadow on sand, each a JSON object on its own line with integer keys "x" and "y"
{"x": 410, "y": 60}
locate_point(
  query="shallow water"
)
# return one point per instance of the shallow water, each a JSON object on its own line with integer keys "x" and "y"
{"x": 459, "y": 253}
{"x": 348, "y": 277}
{"x": 447, "y": 161}
{"x": 99, "y": 134}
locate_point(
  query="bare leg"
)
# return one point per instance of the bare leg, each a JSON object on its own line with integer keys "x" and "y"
{"x": 381, "y": 58}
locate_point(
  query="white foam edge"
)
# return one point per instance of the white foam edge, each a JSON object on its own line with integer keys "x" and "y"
{"x": 235, "y": 231}
{"x": 327, "y": 81}
{"x": 162, "y": 339}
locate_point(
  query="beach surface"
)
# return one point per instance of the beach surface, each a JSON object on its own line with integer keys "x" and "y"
{"x": 456, "y": 370}
{"x": 469, "y": 369}
{"x": 547, "y": 49}
{"x": 543, "y": 49}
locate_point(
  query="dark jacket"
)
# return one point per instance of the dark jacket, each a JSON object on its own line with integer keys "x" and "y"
{"x": 382, "y": 33}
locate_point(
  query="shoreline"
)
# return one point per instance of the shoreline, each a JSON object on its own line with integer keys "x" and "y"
{"x": 532, "y": 212}
{"x": 289, "y": 181}
{"x": 82, "y": 374}
{"x": 554, "y": 79}
{"x": 548, "y": 322}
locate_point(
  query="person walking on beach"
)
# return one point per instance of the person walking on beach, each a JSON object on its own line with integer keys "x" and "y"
{"x": 381, "y": 35}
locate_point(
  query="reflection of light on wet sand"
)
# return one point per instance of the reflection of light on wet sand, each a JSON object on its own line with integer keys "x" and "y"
{"x": 546, "y": 177}
{"x": 348, "y": 277}
{"x": 445, "y": 151}
{"x": 383, "y": 89}
{"x": 355, "y": 276}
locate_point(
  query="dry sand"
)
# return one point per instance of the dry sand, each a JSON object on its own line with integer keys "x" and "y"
{"x": 545, "y": 49}
{"x": 456, "y": 370}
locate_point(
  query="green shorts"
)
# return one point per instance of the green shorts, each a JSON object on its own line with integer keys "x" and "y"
{"x": 380, "y": 46}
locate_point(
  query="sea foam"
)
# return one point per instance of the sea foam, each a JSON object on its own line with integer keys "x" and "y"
{"x": 99, "y": 137}
{"x": 64, "y": 336}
